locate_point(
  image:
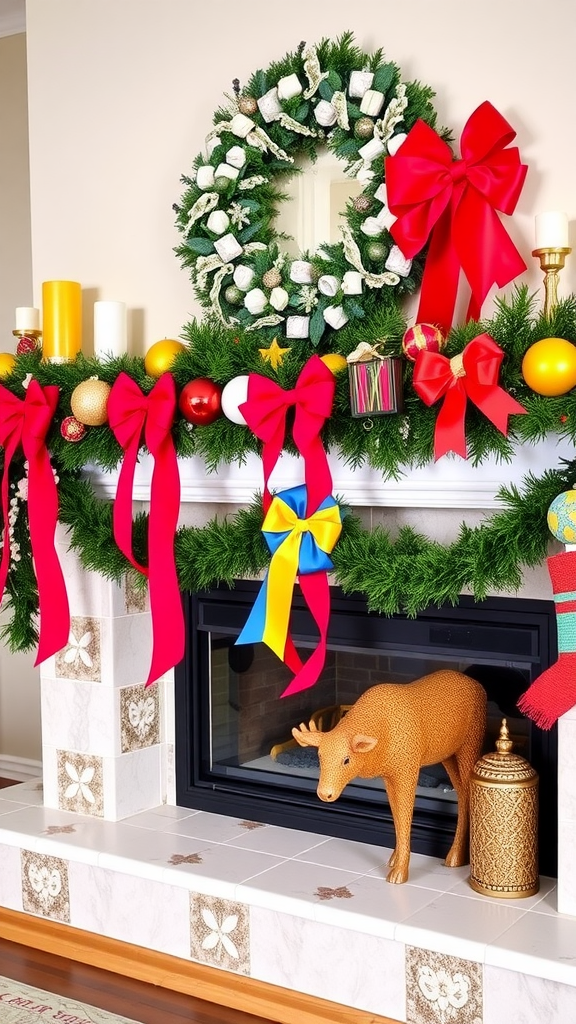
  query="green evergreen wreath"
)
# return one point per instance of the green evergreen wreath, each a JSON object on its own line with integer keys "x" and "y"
{"x": 331, "y": 95}
{"x": 406, "y": 573}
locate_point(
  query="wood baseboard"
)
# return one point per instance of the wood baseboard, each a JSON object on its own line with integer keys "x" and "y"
{"x": 221, "y": 987}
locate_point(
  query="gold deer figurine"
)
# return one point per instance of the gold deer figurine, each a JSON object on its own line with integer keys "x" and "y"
{"x": 392, "y": 731}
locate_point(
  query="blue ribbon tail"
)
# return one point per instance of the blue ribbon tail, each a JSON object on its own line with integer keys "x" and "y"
{"x": 253, "y": 630}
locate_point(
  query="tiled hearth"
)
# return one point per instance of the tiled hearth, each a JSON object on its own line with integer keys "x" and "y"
{"x": 100, "y": 845}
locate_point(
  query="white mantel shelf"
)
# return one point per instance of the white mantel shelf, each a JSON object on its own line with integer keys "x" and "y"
{"x": 451, "y": 482}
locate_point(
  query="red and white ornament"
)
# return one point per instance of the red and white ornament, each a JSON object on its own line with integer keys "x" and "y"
{"x": 200, "y": 401}
{"x": 422, "y": 337}
{"x": 71, "y": 429}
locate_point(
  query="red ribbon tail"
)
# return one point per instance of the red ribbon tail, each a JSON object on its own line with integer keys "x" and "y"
{"x": 270, "y": 455}
{"x": 450, "y": 433}
{"x": 316, "y": 592}
{"x": 122, "y": 511}
{"x": 317, "y": 475}
{"x": 43, "y": 517}
{"x": 440, "y": 280}
{"x": 165, "y": 599}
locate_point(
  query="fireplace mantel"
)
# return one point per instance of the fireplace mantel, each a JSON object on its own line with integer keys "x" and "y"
{"x": 450, "y": 483}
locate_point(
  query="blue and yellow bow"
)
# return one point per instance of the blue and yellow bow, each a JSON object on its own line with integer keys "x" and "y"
{"x": 300, "y": 548}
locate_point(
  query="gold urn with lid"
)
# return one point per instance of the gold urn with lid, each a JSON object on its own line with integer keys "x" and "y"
{"x": 504, "y": 823}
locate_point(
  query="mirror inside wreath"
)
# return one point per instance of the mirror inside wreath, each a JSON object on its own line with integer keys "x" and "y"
{"x": 330, "y": 97}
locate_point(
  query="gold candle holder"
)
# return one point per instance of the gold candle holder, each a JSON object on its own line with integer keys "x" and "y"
{"x": 551, "y": 263}
{"x": 35, "y": 337}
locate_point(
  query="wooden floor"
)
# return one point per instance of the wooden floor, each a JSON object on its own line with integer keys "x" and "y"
{"x": 133, "y": 999}
{"x": 148, "y": 1004}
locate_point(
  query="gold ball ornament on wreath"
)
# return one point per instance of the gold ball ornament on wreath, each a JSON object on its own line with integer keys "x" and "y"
{"x": 364, "y": 128}
{"x": 89, "y": 402}
{"x": 272, "y": 278}
{"x": 335, "y": 362}
{"x": 247, "y": 105}
{"x": 161, "y": 355}
{"x": 422, "y": 338}
{"x": 7, "y": 363}
{"x": 549, "y": 366}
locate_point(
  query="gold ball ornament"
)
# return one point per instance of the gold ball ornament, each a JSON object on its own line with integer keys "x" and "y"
{"x": 161, "y": 355}
{"x": 89, "y": 402}
{"x": 335, "y": 362}
{"x": 549, "y": 366}
{"x": 247, "y": 105}
{"x": 7, "y": 363}
{"x": 272, "y": 278}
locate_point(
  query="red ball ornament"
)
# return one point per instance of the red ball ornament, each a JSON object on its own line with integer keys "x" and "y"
{"x": 200, "y": 401}
{"x": 422, "y": 337}
{"x": 71, "y": 429}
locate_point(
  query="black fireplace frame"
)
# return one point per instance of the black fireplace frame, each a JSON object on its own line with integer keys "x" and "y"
{"x": 531, "y": 635}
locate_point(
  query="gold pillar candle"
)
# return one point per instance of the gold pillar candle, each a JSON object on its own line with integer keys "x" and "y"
{"x": 504, "y": 823}
{"x": 61, "y": 321}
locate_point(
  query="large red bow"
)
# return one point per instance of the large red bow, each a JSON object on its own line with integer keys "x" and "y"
{"x": 455, "y": 201}
{"x": 265, "y": 413}
{"x": 472, "y": 375}
{"x": 27, "y": 422}
{"x": 130, "y": 413}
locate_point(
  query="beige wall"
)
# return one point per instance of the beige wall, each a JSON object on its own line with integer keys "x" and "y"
{"x": 19, "y": 680}
{"x": 121, "y": 96}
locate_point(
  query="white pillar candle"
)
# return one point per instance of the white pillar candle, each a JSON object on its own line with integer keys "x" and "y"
{"x": 110, "y": 329}
{"x": 552, "y": 231}
{"x": 27, "y": 318}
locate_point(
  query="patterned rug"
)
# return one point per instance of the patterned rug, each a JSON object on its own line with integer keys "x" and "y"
{"x": 21, "y": 1004}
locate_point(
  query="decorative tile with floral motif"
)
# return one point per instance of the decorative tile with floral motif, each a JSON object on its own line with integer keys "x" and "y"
{"x": 220, "y": 933}
{"x": 45, "y": 886}
{"x": 251, "y": 825}
{"x": 80, "y": 783}
{"x": 442, "y": 989}
{"x": 135, "y": 597}
{"x": 183, "y": 858}
{"x": 80, "y": 659}
{"x": 57, "y": 830}
{"x": 139, "y": 717}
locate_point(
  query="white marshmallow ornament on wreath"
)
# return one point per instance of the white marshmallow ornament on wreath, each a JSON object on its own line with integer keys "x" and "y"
{"x": 234, "y": 394}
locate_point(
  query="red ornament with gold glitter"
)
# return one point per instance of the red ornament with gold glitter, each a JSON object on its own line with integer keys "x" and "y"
{"x": 422, "y": 338}
{"x": 71, "y": 429}
{"x": 27, "y": 343}
{"x": 200, "y": 401}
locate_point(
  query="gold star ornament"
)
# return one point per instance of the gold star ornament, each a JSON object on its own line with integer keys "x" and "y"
{"x": 274, "y": 354}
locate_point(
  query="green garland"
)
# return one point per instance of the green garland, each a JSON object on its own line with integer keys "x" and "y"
{"x": 407, "y": 574}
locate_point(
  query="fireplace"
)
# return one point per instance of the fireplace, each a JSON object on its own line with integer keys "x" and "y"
{"x": 234, "y": 751}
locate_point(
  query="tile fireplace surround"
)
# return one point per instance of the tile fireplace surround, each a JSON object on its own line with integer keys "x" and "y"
{"x": 99, "y": 843}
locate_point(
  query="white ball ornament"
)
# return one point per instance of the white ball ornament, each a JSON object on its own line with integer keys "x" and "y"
{"x": 279, "y": 298}
{"x": 395, "y": 142}
{"x": 218, "y": 222}
{"x": 255, "y": 301}
{"x": 325, "y": 114}
{"x": 234, "y": 394}
{"x": 328, "y": 285}
{"x": 243, "y": 277}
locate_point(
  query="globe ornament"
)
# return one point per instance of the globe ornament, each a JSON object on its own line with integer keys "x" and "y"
{"x": 362, "y": 203}
{"x": 561, "y": 517}
{"x": 376, "y": 250}
{"x": 272, "y": 278}
{"x": 7, "y": 363}
{"x": 89, "y": 402}
{"x": 221, "y": 183}
{"x": 247, "y": 105}
{"x": 234, "y": 394}
{"x": 71, "y": 429}
{"x": 420, "y": 338}
{"x": 549, "y": 366}
{"x": 161, "y": 355}
{"x": 200, "y": 401}
{"x": 233, "y": 295}
{"x": 364, "y": 128}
